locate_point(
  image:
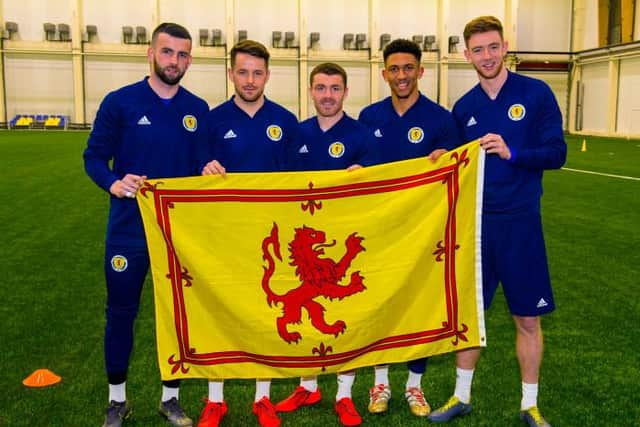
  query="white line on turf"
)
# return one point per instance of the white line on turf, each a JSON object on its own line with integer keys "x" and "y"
{"x": 632, "y": 178}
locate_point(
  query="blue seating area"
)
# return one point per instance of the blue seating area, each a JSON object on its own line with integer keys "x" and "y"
{"x": 39, "y": 121}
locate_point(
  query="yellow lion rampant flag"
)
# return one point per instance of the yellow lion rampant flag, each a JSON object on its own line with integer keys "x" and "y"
{"x": 267, "y": 275}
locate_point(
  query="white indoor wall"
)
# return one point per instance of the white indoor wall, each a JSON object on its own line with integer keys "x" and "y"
{"x": 544, "y": 25}
{"x": 590, "y": 25}
{"x": 595, "y": 108}
{"x": 418, "y": 17}
{"x": 428, "y": 84}
{"x": 283, "y": 85}
{"x": 105, "y": 74}
{"x": 261, "y": 18}
{"x": 208, "y": 80}
{"x": 462, "y": 11}
{"x": 207, "y": 14}
{"x": 462, "y": 77}
{"x": 359, "y": 83}
{"x": 383, "y": 86}
{"x": 38, "y": 85}
{"x": 333, "y": 18}
{"x": 110, "y": 16}
{"x": 32, "y": 14}
{"x": 629, "y": 100}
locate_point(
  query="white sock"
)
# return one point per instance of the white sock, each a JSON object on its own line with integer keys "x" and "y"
{"x": 345, "y": 382}
{"x": 414, "y": 380}
{"x": 263, "y": 388}
{"x": 216, "y": 391}
{"x": 118, "y": 392}
{"x": 382, "y": 375}
{"x": 464, "y": 377}
{"x": 169, "y": 393}
{"x": 309, "y": 383}
{"x": 529, "y": 396}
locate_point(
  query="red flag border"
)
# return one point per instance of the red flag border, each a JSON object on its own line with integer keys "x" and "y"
{"x": 165, "y": 199}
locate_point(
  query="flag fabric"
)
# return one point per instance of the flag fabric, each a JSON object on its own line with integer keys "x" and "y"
{"x": 267, "y": 275}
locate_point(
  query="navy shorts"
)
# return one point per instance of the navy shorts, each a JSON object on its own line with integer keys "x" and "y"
{"x": 513, "y": 253}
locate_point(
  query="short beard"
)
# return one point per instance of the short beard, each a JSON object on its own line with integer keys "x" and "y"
{"x": 159, "y": 71}
{"x": 335, "y": 109}
{"x": 249, "y": 100}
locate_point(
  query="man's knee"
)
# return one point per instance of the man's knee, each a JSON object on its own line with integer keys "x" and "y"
{"x": 527, "y": 325}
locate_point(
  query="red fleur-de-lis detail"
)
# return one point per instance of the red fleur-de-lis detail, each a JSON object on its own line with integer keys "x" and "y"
{"x": 322, "y": 351}
{"x": 439, "y": 252}
{"x": 460, "y": 335}
{"x": 177, "y": 365}
{"x": 146, "y": 186}
{"x": 187, "y": 279}
{"x": 311, "y": 205}
{"x": 461, "y": 159}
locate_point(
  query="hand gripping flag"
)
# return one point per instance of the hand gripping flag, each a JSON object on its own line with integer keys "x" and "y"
{"x": 266, "y": 275}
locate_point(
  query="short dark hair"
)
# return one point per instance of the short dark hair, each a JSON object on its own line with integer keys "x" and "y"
{"x": 171, "y": 28}
{"x": 250, "y": 47}
{"x": 402, "y": 46}
{"x": 330, "y": 69}
{"x": 482, "y": 24}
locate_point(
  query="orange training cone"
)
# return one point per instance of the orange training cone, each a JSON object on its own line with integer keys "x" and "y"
{"x": 584, "y": 145}
{"x": 41, "y": 378}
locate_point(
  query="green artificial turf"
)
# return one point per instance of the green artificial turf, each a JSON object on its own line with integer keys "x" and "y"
{"x": 52, "y": 222}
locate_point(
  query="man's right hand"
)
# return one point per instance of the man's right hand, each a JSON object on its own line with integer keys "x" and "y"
{"x": 127, "y": 186}
{"x": 214, "y": 168}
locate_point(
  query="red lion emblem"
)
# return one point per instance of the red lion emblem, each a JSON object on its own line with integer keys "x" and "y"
{"x": 319, "y": 276}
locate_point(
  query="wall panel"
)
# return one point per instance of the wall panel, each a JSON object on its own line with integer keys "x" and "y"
{"x": 629, "y": 101}
{"x": 333, "y": 18}
{"x": 110, "y": 16}
{"x": 30, "y": 15}
{"x": 105, "y": 74}
{"x": 462, "y": 11}
{"x": 418, "y": 17}
{"x": 540, "y": 25}
{"x": 462, "y": 77}
{"x": 544, "y": 25}
{"x": 42, "y": 85}
{"x": 206, "y": 14}
{"x": 596, "y": 83}
{"x": 261, "y": 18}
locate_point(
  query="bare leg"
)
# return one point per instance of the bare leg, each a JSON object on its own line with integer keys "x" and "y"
{"x": 467, "y": 358}
{"x": 529, "y": 347}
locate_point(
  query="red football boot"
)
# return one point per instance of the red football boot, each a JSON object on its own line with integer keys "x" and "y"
{"x": 300, "y": 397}
{"x": 266, "y": 413}
{"x": 347, "y": 412}
{"x": 212, "y": 414}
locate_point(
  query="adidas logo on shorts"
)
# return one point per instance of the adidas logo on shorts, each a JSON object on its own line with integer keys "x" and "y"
{"x": 542, "y": 303}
